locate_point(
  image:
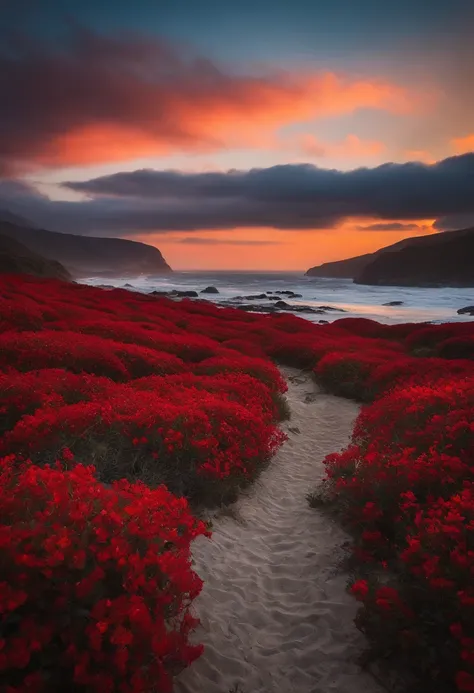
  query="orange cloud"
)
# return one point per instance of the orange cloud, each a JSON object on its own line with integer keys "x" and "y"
{"x": 116, "y": 100}
{"x": 350, "y": 147}
{"x": 463, "y": 145}
{"x": 103, "y": 143}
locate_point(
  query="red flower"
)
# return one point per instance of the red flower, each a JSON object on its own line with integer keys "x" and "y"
{"x": 360, "y": 589}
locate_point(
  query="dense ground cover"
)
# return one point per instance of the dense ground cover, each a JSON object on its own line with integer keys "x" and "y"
{"x": 116, "y": 410}
{"x": 108, "y": 397}
{"x": 405, "y": 489}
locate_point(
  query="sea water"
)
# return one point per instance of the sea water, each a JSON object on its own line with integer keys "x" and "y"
{"x": 418, "y": 304}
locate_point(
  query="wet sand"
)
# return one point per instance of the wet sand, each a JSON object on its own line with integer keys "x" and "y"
{"x": 275, "y": 615}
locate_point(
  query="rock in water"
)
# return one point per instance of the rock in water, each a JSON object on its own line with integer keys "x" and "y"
{"x": 210, "y": 290}
{"x": 283, "y": 305}
{"x": 185, "y": 294}
{"x": 468, "y": 310}
{"x": 393, "y": 303}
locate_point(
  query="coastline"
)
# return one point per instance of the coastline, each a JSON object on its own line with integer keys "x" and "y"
{"x": 418, "y": 305}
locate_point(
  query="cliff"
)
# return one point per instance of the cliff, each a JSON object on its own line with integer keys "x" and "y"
{"x": 445, "y": 261}
{"x": 16, "y": 258}
{"x": 341, "y": 269}
{"x": 410, "y": 262}
{"x": 88, "y": 255}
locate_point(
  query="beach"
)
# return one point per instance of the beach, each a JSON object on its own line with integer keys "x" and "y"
{"x": 275, "y": 614}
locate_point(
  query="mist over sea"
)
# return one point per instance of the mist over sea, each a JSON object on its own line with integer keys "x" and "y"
{"x": 419, "y": 304}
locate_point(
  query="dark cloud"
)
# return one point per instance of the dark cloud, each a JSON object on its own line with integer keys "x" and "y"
{"x": 455, "y": 221}
{"x": 304, "y": 195}
{"x": 391, "y": 226}
{"x": 97, "y": 98}
{"x": 52, "y": 90}
{"x": 281, "y": 197}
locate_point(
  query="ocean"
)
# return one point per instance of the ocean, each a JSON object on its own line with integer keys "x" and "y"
{"x": 418, "y": 304}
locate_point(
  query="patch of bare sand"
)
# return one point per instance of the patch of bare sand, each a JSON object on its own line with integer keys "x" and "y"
{"x": 275, "y": 615}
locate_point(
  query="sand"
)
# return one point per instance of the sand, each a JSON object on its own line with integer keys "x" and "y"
{"x": 275, "y": 614}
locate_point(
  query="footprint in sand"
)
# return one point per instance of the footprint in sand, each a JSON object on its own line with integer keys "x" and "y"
{"x": 294, "y": 429}
{"x": 275, "y": 614}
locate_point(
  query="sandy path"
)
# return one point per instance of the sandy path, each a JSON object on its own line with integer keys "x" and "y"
{"x": 274, "y": 612}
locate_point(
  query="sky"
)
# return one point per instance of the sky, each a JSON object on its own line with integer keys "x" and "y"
{"x": 239, "y": 135}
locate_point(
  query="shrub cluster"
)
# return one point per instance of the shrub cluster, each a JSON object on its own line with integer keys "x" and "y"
{"x": 405, "y": 489}
{"x": 95, "y": 582}
{"x": 117, "y": 408}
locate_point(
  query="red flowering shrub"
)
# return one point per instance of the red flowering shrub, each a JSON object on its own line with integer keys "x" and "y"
{"x": 24, "y": 315}
{"x": 307, "y": 349}
{"x": 300, "y": 351}
{"x": 138, "y": 434}
{"x": 23, "y": 393}
{"x": 429, "y": 616}
{"x": 362, "y": 327}
{"x": 404, "y": 487}
{"x": 95, "y": 583}
{"x": 258, "y": 368}
{"x": 414, "y": 371}
{"x": 457, "y": 348}
{"x": 439, "y": 562}
{"x": 192, "y": 348}
{"x": 432, "y": 335}
{"x": 78, "y": 353}
{"x": 420, "y": 417}
{"x": 236, "y": 387}
{"x": 245, "y": 347}
{"x": 347, "y": 373}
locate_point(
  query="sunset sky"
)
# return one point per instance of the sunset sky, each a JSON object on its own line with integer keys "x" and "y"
{"x": 259, "y": 134}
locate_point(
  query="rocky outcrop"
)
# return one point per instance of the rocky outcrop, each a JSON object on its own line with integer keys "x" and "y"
{"x": 175, "y": 294}
{"x": 15, "y": 258}
{"x": 393, "y": 303}
{"x": 277, "y": 303}
{"x": 280, "y": 305}
{"x": 468, "y": 310}
{"x": 251, "y": 297}
{"x": 290, "y": 294}
{"x": 298, "y": 308}
{"x": 210, "y": 290}
{"x": 184, "y": 294}
{"x": 87, "y": 255}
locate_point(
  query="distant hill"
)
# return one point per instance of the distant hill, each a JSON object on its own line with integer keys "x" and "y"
{"x": 353, "y": 266}
{"x": 87, "y": 255}
{"x": 372, "y": 269}
{"x": 6, "y": 215}
{"x": 445, "y": 261}
{"x": 341, "y": 269}
{"x": 16, "y": 258}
